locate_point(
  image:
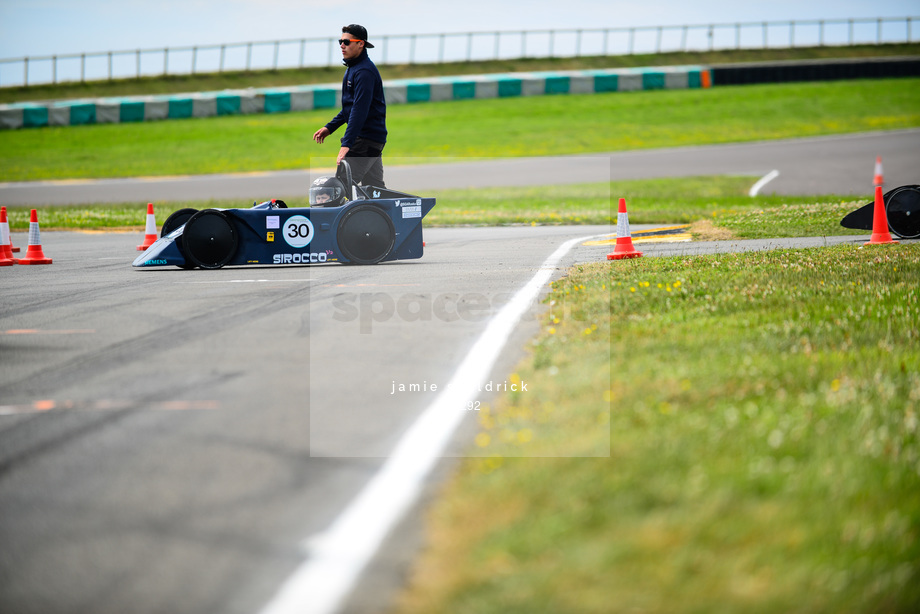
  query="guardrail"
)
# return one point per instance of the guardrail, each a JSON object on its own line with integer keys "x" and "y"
{"x": 454, "y": 47}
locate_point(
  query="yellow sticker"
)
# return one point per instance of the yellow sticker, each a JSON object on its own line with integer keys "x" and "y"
{"x": 270, "y": 236}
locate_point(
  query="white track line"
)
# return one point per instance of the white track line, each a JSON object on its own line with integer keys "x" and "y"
{"x": 762, "y": 182}
{"x": 338, "y": 555}
{"x": 244, "y": 281}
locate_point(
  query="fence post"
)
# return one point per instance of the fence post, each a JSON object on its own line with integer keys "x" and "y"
{"x": 658, "y": 42}
{"x": 110, "y": 65}
{"x": 25, "y": 71}
{"x": 878, "y": 40}
{"x": 552, "y": 42}
{"x": 194, "y": 59}
{"x": 821, "y": 33}
{"x": 711, "y": 40}
{"x": 248, "y": 55}
{"x": 223, "y": 51}
{"x": 441, "y": 49}
{"x": 683, "y": 40}
{"x": 498, "y": 36}
{"x": 275, "y": 61}
{"x": 412, "y": 49}
{"x": 606, "y": 38}
{"x": 578, "y": 43}
{"x": 765, "y": 43}
{"x": 138, "y": 62}
{"x": 632, "y": 37}
{"x": 469, "y": 46}
{"x": 82, "y": 68}
{"x": 792, "y": 34}
{"x": 386, "y": 44}
{"x": 165, "y": 61}
{"x": 303, "y": 45}
{"x": 737, "y": 36}
{"x": 54, "y": 69}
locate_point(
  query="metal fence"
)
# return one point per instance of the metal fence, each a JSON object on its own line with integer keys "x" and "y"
{"x": 454, "y": 47}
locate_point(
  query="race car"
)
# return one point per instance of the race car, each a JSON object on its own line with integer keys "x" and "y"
{"x": 345, "y": 223}
{"x": 902, "y": 208}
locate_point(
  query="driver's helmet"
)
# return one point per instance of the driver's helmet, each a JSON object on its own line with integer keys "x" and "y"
{"x": 328, "y": 192}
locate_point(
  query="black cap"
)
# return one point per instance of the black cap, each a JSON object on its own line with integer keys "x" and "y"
{"x": 358, "y": 32}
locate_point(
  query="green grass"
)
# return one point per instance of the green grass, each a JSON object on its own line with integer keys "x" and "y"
{"x": 720, "y": 201}
{"x": 708, "y": 202}
{"x": 761, "y": 412}
{"x": 239, "y": 80}
{"x": 531, "y": 126}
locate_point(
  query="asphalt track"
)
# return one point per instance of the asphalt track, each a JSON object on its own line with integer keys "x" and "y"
{"x": 175, "y": 440}
{"x": 170, "y": 438}
{"x": 841, "y": 164}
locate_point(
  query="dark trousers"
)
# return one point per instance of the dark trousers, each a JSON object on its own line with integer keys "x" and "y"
{"x": 366, "y": 163}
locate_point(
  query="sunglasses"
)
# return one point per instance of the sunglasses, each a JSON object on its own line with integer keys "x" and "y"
{"x": 348, "y": 41}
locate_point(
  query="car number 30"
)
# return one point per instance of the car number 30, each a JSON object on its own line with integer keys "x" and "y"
{"x": 298, "y": 231}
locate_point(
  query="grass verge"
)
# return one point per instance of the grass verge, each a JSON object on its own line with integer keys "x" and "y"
{"x": 708, "y": 202}
{"x": 763, "y": 428}
{"x": 506, "y": 127}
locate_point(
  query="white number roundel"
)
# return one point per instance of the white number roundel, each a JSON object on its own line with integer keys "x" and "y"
{"x": 298, "y": 231}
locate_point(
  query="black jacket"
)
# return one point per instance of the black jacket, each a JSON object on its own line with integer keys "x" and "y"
{"x": 364, "y": 107}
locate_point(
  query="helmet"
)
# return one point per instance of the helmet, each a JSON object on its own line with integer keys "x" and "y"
{"x": 328, "y": 192}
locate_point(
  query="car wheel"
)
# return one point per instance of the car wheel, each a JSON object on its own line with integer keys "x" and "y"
{"x": 366, "y": 234}
{"x": 210, "y": 239}
{"x": 902, "y": 207}
{"x": 176, "y": 220}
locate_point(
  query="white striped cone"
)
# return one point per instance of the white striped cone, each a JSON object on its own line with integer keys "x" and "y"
{"x": 624, "y": 247}
{"x": 6, "y": 254}
{"x": 9, "y": 236}
{"x": 34, "y": 253}
{"x": 150, "y": 232}
{"x": 879, "y": 178}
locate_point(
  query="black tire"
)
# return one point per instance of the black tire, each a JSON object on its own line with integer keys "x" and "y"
{"x": 176, "y": 219}
{"x": 366, "y": 234}
{"x": 902, "y": 207}
{"x": 210, "y": 239}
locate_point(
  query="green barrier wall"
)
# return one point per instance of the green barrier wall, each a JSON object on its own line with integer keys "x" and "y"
{"x": 308, "y": 97}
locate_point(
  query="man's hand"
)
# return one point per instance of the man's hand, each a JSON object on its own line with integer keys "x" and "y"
{"x": 341, "y": 155}
{"x": 320, "y": 135}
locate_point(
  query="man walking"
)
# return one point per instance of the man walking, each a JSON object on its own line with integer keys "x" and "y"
{"x": 364, "y": 109}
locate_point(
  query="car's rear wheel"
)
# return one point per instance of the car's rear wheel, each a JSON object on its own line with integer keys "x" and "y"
{"x": 176, "y": 220}
{"x": 210, "y": 239}
{"x": 366, "y": 234}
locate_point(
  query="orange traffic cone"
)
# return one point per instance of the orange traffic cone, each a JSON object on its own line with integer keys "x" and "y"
{"x": 6, "y": 254}
{"x": 34, "y": 253}
{"x": 879, "y": 178}
{"x": 624, "y": 248}
{"x": 880, "y": 232}
{"x": 150, "y": 235}
{"x": 9, "y": 237}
